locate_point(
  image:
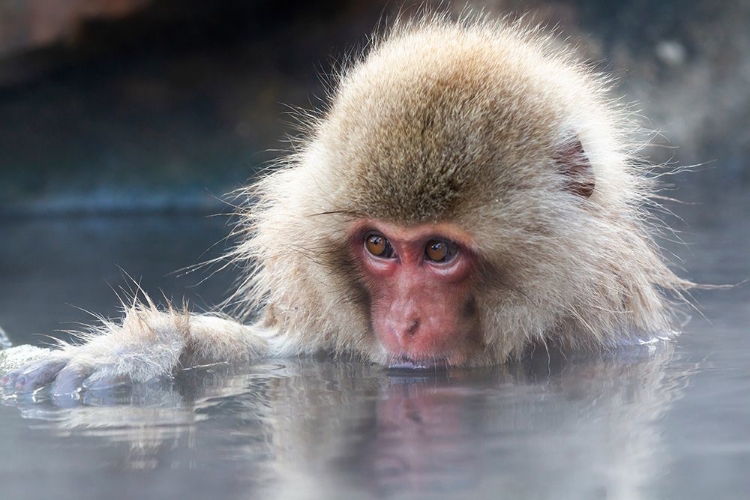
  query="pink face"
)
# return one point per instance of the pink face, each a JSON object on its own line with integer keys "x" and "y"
{"x": 419, "y": 279}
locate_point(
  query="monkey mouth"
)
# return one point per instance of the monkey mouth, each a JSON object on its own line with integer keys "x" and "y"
{"x": 405, "y": 363}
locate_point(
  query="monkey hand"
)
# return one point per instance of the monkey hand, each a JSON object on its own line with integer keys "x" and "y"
{"x": 147, "y": 345}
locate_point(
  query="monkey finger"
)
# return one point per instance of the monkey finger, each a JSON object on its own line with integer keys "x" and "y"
{"x": 8, "y": 380}
{"x": 36, "y": 375}
{"x": 70, "y": 379}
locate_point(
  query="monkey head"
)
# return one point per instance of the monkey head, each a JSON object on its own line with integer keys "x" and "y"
{"x": 466, "y": 194}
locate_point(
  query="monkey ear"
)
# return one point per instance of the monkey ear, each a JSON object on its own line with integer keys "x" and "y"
{"x": 573, "y": 163}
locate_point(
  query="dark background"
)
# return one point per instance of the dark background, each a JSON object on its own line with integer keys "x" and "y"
{"x": 118, "y": 106}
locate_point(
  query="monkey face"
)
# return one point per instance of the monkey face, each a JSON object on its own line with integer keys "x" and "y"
{"x": 419, "y": 279}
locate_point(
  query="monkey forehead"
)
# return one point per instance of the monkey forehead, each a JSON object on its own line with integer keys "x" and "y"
{"x": 438, "y": 114}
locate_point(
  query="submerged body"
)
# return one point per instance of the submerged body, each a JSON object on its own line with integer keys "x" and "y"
{"x": 466, "y": 195}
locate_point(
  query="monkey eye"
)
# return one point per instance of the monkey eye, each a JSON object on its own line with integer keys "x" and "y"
{"x": 440, "y": 251}
{"x": 379, "y": 246}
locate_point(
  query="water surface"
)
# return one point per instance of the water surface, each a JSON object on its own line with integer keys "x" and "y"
{"x": 667, "y": 422}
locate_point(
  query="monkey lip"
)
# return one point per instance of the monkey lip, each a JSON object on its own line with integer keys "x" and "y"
{"x": 404, "y": 363}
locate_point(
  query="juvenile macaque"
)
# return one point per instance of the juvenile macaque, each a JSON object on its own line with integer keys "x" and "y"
{"x": 467, "y": 194}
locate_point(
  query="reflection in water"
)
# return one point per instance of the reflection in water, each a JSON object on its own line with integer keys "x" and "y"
{"x": 555, "y": 427}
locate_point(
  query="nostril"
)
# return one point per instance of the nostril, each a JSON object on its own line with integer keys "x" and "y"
{"x": 403, "y": 330}
{"x": 412, "y": 327}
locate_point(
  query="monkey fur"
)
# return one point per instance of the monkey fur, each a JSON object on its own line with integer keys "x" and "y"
{"x": 484, "y": 126}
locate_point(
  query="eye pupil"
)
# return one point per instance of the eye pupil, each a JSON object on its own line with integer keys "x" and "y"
{"x": 378, "y": 246}
{"x": 440, "y": 251}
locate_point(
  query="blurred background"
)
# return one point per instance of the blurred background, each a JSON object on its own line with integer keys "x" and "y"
{"x": 164, "y": 105}
{"x": 124, "y": 122}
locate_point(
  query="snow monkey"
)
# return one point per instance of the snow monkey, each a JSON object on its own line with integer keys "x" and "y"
{"x": 468, "y": 193}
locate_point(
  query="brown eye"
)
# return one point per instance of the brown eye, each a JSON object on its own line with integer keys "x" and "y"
{"x": 440, "y": 251}
{"x": 379, "y": 246}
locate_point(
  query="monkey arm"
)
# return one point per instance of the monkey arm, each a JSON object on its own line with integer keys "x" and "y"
{"x": 149, "y": 343}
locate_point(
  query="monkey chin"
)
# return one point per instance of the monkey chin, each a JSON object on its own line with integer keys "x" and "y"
{"x": 405, "y": 363}
{"x": 459, "y": 359}
{"x": 427, "y": 362}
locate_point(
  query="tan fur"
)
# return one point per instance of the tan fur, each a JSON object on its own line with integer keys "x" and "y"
{"x": 459, "y": 122}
